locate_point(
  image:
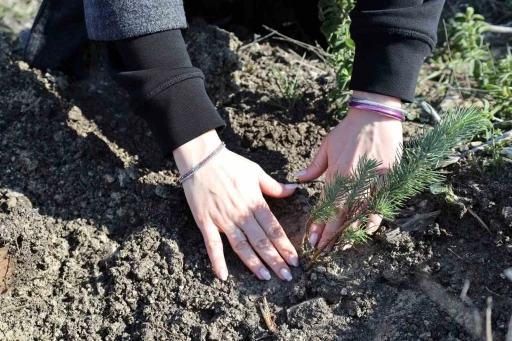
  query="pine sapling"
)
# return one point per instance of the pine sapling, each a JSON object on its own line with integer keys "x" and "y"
{"x": 364, "y": 192}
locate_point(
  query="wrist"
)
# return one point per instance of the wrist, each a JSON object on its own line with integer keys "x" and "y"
{"x": 193, "y": 152}
{"x": 382, "y": 99}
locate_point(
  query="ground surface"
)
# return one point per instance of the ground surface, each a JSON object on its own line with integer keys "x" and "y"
{"x": 102, "y": 245}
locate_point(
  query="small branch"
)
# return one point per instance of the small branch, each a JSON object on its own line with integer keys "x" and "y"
{"x": 506, "y": 136}
{"x": 488, "y": 326}
{"x": 498, "y": 29}
{"x": 430, "y": 111}
{"x": 256, "y": 41}
{"x": 484, "y": 225}
{"x": 322, "y": 247}
{"x": 316, "y": 50}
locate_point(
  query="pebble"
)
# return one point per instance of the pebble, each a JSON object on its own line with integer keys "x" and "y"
{"x": 507, "y": 152}
{"x": 321, "y": 269}
{"x": 344, "y": 292}
{"x": 425, "y": 336}
{"x": 475, "y": 144}
{"x": 507, "y": 214}
{"x": 313, "y": 276}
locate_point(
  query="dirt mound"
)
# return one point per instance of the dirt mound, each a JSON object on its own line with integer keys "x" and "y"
{"x": 106, "y": 247}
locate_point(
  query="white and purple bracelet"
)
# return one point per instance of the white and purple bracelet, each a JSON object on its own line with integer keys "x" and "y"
{"x": 382, "y": 109}
{"x": 191, "y": 172}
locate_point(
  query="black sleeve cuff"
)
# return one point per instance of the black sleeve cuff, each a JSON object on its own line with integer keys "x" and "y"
{"x": 389, "y": 66}
{"x": 165, "y": 90}
{"x": 393, "y": 38}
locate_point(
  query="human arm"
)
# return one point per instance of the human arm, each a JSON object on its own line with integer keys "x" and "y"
{"x": 393, "y": 37}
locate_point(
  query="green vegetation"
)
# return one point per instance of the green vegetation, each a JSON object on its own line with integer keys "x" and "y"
{"x": 364, "y": 192}
{"x": 334, "y": 15}
{"x": 465, "y": 62}
{"x": 288, "y": 86}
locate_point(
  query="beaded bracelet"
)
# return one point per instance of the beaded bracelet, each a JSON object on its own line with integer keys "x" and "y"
{"x": 382, "y": 109}
{"x": 191, "y": 172}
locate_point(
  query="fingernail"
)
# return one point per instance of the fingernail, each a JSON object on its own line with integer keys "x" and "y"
{"x": 313, "y": 239}
{"x": 301, "y": 172}
{"x": 286, "y": 274}
{"x": 346, "y": 247}
{"x": 294, "y": 260}
{"x": 223, "y": 274}
{"x": 290, "y": 186}
{"x": 264, "y": 273}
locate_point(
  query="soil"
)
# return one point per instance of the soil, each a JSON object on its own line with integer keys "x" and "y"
{"x": 103, "y": 245}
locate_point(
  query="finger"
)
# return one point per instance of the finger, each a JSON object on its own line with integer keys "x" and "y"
{"x": 215, "y": 250}
{"x": 317, "y": 167}
{"x": 243, "y": 249}
{"x": 272, "y": 188}
{"x": 329, "y": 230}
{"x": 315, "y": 231}
{"x": 262, "y": 244}
{"x": 374, "y": 223}
{"x": 275, "y": 232}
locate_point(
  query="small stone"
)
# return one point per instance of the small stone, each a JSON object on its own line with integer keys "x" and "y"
{"x": 11, "y": 203}
{"x": 344, "y": 292}
{"x": 475, "y": 144}
{"x": 506, "y": 152}
{"x": 321, "y": 269}
{"x": 425, "y": 336}
{"x": 109, "y": 178}
{"x": 507, "y": 215}
{"x": 313, "y": 277}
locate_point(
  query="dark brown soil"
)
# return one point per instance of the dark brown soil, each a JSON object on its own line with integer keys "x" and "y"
{"x": 106, "y": 247}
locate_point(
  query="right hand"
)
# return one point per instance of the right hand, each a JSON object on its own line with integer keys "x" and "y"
{"x": 226, "y": 195}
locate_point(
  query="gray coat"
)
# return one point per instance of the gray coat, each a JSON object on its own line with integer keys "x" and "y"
{"x": 120, "y": 19}
{"x": 61, "y": 28}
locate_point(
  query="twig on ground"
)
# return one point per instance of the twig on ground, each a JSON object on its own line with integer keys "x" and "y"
{"x": 316, "y": 50}
{"x": 506, "y": 136}
{"x": 498, "y": 29}
{"x": 488, "y": 326}
{"x": 454, "y": 253}
{"x": 492, "y": 292}
{"x": 484, "y": 225}
{"x": 268, "y": 317}
{"x": 466, "y": 317}
{"x": 256, "y": 41}
{"x": 430, "y": 111}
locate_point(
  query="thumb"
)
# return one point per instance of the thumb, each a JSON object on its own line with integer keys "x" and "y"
{"x": 275, "y": 189}
{"x": 317, "y": 167}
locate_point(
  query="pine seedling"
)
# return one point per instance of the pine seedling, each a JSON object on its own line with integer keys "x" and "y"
{"x": 364, "y": 192}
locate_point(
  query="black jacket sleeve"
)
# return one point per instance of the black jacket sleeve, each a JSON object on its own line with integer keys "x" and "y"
{"x": 393, "y": 38}
{"x": 165, "y": 89}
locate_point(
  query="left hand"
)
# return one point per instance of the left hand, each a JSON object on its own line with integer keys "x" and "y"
{"x": 360, "y": 133}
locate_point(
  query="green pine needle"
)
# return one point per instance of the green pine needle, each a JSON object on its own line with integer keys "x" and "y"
{"x": 412, "y": 173}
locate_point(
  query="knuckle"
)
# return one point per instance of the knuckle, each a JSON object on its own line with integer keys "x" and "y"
{"x": 276, "y": 232}
{"x": 241, "y": 245}
{"x": 214, "y": 245}
{"x": 263, "y": 243}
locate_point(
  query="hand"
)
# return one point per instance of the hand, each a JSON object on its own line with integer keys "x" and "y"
{"x": 226, "y": 196}
{"x": 360, "y": 133}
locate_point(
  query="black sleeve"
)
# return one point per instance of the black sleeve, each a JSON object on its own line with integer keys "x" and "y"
{"x": 165, "y": 89}
{"x": 393, "y": 38}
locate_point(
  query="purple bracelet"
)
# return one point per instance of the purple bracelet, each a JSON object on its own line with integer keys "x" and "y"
{"x": 385, "y": 110}
{"x": 191, "y": 172}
